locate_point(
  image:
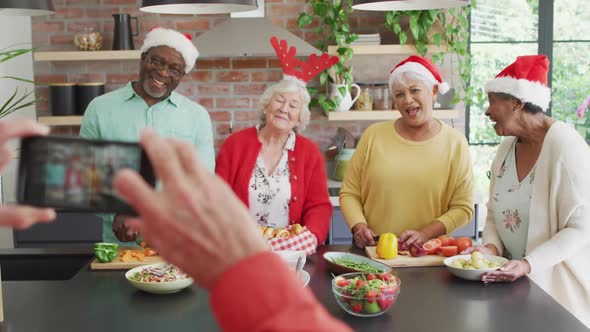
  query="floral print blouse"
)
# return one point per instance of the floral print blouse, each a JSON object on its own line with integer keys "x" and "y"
{"x": 269, "y": 194}
{"x": 511, "y": 204}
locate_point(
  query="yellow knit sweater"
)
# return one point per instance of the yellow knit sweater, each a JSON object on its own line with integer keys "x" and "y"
{"x": 394, "y": 184}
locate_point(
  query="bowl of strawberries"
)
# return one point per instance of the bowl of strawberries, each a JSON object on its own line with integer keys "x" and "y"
{"x": 366, "y": 294}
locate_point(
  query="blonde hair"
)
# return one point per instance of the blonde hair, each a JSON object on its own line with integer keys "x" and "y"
{"x": 286, "y": 86}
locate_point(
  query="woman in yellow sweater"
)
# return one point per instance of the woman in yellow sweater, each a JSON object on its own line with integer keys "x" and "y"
{"x": 411, "y": 176}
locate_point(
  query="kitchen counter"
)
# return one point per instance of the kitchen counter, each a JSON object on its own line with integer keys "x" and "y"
{"x": 431, "y": 299}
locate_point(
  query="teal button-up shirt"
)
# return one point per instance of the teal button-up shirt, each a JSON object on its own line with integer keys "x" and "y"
{"x": 122, "y": 114}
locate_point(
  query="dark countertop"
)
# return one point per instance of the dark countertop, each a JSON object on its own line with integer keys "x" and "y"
{"x": 431, "y": 299}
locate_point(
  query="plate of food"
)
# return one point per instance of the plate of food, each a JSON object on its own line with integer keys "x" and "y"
{"x": 344, "y": 262}
{"x": 471, "y": 267}
{"x": 160, "y": 278}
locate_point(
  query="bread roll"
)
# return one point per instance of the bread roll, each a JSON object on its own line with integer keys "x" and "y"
{"x": 281, "y": 232}
{"x": 296, "y": 229}
{"x": 269, "y": 233}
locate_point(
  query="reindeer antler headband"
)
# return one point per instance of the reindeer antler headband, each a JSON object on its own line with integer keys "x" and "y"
{"x": 301, "y": 71}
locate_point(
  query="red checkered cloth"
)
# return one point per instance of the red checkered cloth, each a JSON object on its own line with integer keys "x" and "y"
{"x": 303, "y": 241}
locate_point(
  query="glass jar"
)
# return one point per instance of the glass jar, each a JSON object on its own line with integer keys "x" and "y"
{"x": 89, "y": 40}
{"x": 381, "y": 100}
{"x": 365, "y": 100}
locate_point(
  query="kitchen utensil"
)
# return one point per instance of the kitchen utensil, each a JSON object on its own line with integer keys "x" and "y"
{"x": 346, "y": 100}
{"x": 123, "y": 34}
{"x": 406, "y": 261}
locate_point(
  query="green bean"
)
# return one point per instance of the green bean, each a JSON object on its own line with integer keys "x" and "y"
{"x": 365, "y": 267}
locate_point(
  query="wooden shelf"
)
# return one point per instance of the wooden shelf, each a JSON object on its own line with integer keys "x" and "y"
{"x": 86, "y": 55}
{"x": 61, "y": 121}
{"x": 384, "y": 115}
{"x": 385, "y": 49}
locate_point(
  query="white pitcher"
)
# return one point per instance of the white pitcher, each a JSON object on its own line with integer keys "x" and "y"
{"x": 346, "y": 101}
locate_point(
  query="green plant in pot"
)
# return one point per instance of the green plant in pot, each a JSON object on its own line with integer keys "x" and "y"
{"x": 333, "y": 27}
{"x": 16, "y": 101}
{"x": 452, "y": 35}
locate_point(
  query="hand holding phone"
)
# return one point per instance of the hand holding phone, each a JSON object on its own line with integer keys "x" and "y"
{"x": 75, "y": 174}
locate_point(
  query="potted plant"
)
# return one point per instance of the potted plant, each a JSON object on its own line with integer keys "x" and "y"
{"x": 453, "y": 35}
{"x": 332, "y": 17}
{"x": 15, "y": 102}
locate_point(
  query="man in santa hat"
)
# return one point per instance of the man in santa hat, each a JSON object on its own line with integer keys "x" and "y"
{"x": 166, "y": 57}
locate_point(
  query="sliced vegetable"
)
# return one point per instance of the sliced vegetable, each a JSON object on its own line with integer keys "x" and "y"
{"x": 360, "y": 266}
{"x": 449, "y": 251}
{"x": 463, "y": 243}
{"x": 106, "y": 252}
{"x": 432, "y": 247}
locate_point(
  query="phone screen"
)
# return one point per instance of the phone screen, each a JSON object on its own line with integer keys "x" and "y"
{"x": 76, "y": 174}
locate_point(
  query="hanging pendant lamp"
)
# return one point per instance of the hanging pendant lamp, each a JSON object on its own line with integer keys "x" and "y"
{"x": 26, "y": 7}
{"x": 389, "y": 5}
{"x": 197, "y": 6}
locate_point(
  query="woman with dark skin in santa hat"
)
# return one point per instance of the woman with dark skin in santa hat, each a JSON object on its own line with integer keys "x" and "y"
{"x": 411, "y": 176}
{"x": 538, "y": 212}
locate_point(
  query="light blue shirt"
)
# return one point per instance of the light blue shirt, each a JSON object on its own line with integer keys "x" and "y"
{"x": 512, "y": 201}
{"x": 122, "y": 114}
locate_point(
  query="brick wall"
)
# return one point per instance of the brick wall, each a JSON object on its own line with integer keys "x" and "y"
{"x": 228, "y": 88}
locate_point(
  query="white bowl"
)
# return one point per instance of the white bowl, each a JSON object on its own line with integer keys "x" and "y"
{"x": 291, "y": 257}
{"x": 157, "y": 287}
{"x": 472, "y": 274}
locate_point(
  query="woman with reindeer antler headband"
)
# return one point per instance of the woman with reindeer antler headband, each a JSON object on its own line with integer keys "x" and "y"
{"x": 277, "y": 173}
{"x": 411, "y": 176}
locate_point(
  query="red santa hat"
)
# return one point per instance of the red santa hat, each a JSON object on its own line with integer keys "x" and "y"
{"x": 525, "y": 79}
{"x": 424, "y": 67}
{"x": 174, "y": 39}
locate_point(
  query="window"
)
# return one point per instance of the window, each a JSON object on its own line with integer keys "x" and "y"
{"x": 503, "y": 29}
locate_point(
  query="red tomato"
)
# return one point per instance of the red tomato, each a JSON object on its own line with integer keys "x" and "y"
{"x": 463, "y": 243}
{"x": 432, "y": 246}
{"x": 449, "y": 251}
{"x": 446, "y": 240}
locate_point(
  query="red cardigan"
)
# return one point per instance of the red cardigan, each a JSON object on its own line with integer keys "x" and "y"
{"x": 248, "y": 298}
{"x": 310, "y": 204}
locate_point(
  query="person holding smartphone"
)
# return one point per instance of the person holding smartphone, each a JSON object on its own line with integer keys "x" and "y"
{"x": 178, "y": 221}
{"x": 188, "y": 222}
{"x": 151, "y": 102}
{"x": 20, "y": 217}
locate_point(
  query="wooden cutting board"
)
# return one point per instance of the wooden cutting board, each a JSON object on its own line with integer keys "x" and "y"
{"x": 117, "y": 264}
{"x": 406, "y": 261}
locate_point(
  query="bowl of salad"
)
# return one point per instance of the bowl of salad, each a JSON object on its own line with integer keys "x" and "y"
{"x": 366, "y": 294}
{"x": 344, "y": 262}
{"x": 160, "y": 278}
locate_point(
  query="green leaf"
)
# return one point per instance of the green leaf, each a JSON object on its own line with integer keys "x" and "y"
{"x": 312, "y": 91}
{"x": 437, "y": 39}
{"x": 320, "y": 8}
{"x": 337, "y": 4}
{"x": 304, "y": 20}
{"x": 414, "y": 27}
{"x": 321, "y": 45}
{"x": 23, "y": 80}
{"x": 2, "y": 110}
{"x": 389, "y": 18}
{"x": 348, "y": 54}
{"x": 403, "y": 37}
{"x": 323, "y": 78}
{"x": 342, "y": 50}
{"x": 342, "y": 91}
{"x": 421, "y": 49}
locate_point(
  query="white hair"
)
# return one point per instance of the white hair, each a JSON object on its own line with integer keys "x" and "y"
{"x": 400, "y": 80}
{"x": 286, "y": 86}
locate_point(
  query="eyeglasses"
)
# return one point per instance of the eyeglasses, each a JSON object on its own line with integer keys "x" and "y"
{"x": 159, "y": 65}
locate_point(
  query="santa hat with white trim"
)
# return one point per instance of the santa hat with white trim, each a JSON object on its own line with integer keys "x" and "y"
{"x": 424, "y": 67}
{"x": 525, "y": 79}
{"x": 167, "y": 37}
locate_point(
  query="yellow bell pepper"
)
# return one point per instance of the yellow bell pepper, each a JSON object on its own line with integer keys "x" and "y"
{"x": 387, "y": 246}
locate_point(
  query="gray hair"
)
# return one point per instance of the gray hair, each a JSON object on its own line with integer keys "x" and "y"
{"x": 400, "y": 80}
{"x": 286, "y": 86}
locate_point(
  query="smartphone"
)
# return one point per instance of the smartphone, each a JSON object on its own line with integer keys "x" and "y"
{"x": 76, "y": 174}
